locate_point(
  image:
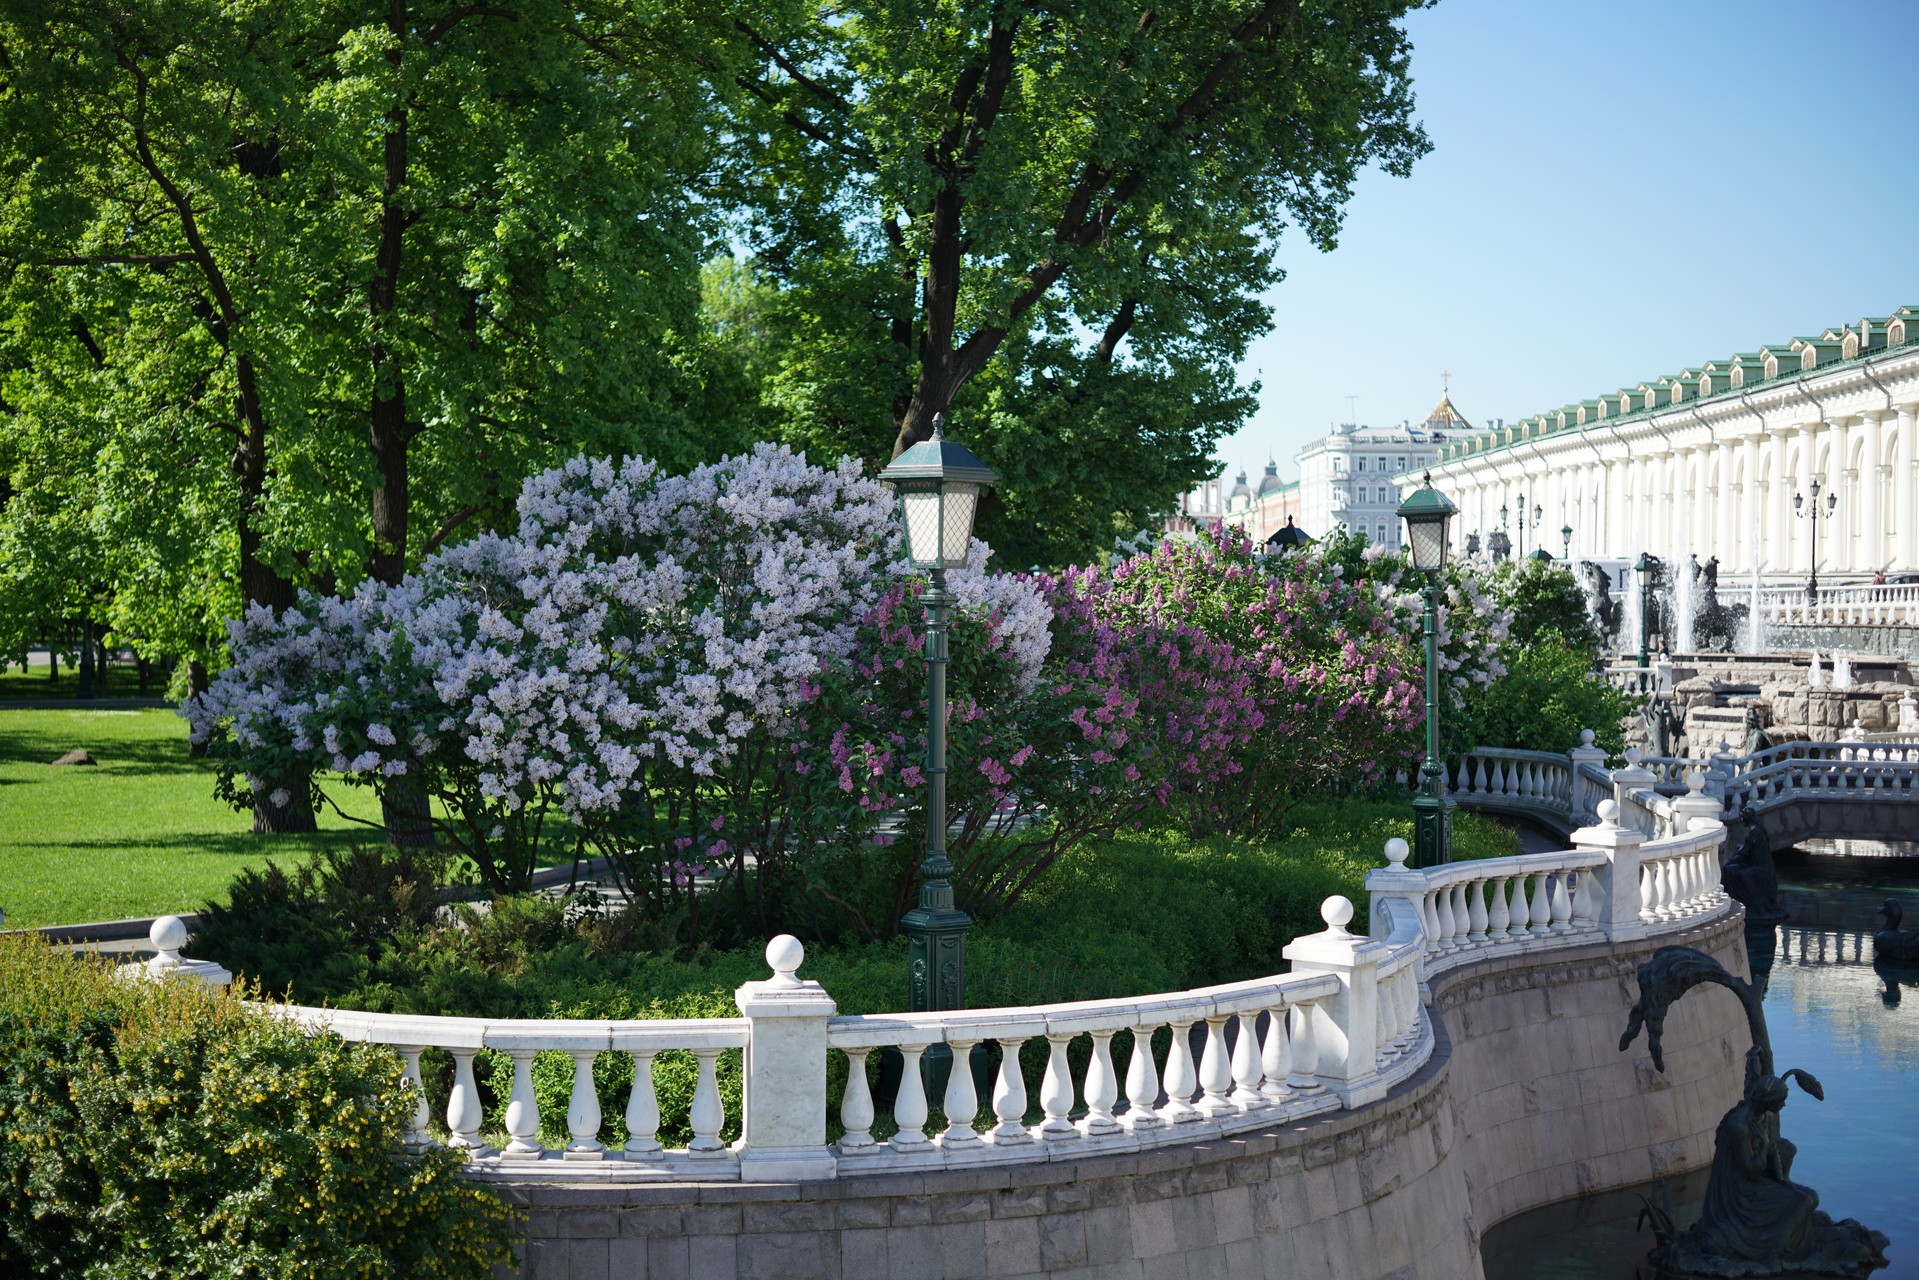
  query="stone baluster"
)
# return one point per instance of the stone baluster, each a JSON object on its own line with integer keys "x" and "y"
{"x": 1387, "y": 1035}
{"x": 783, "y": 1125}
{"x": 583, "y": 1111}
{"x": 1429, "y": 918}
{"x": 417, "y": 1136}
{"x": 1276, "y": 1058}
{"x": 1539, "y": 915}
{"x": 464, "y": 1114}
{"x": 1056, "y": 1091}
{"x": 1561, "y": 903}
{"x": 856, "y": 1106}
{"x": 1406, "y": 991}
{"x": 1443, "y": 913}
{"x": 1585, "y": 903}
{"x": 1499, "y": 917}
{"x": 643, "y": 1109}
{"x": 1476, "y": 912}
{"x": 1142, "y": 1083}
{"x": 1009, "y": 1097}
{"x": 1246, "y": 1066}
{"x": 708, "y": 1116}
{"x": 909, "y": 1107}
{"x": 1101, "y": 1088}
{"x": 962, "y": 1100}
{"x": 1462, "y": 919}
{"x": 522, "y": 1111}
{"x": 1215, "y": 1072}
{"x": 1303, "y": 1077}
{"x": 1182, "y": 1081}
{"x": 1521, "y": 913}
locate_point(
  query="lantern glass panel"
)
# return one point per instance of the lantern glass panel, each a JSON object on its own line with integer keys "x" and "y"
{"x": 1428, "y": 539}
{"x": 957, "y": 534}
{"x": 921, "y": 504}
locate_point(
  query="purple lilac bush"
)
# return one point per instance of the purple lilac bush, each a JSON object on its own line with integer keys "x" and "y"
{"x": 716, "y": 681}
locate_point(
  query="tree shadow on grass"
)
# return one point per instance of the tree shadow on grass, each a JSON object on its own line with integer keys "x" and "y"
{"x": 237, "y": 844}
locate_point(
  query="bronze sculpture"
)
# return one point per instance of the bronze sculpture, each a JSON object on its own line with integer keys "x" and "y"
{"x": 1755, "y": 1221}
{"x": 1749, "y": 875}
{"x": 1892, "y": 943}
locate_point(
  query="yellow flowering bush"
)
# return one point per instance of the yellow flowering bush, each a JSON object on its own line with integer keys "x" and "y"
{"x": 160, "y": 1128}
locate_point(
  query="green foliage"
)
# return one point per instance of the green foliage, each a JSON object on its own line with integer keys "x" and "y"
{"x": 163, "y": 1129}
{"x": 1053, "y": 221}
{"x": 1546, "y": 603}
{"x": 1549, "y": 693}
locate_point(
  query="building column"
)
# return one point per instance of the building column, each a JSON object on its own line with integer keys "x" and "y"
{"x": 1778, "y": 535}
{"x": 1839, "y": 552}
{"x": 1872, "y": 534}
{"x": 1746, "y": 523}
{"x": 1905, "y": 521}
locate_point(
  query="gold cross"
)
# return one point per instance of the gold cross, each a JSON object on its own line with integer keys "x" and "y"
{"x": 1445, "y": 382}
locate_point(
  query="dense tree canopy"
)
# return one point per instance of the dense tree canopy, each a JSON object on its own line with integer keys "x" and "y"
{"x": 324, "y": 279}
{"x": 292, "y": 294}
{"x": 1052, "y": 218}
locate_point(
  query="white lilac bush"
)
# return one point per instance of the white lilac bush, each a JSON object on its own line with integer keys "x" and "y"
{"x": 646, "y": 659}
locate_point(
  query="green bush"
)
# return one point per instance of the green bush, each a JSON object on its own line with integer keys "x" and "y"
{"x": 1549, "y": 693}
{"x": 162, "y": 1129}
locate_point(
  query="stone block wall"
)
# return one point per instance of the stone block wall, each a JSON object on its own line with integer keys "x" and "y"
{"x": 1527, "y": 1101}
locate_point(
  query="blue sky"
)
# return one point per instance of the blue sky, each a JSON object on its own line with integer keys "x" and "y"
{"x": 1615, "y": 191}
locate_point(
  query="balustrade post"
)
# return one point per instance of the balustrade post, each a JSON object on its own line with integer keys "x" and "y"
{"x": 1346, "y": 1024}
{"x": 1633, "y": 776}
{"x": 783, "y": 1120}
{"x": 1617, "y": 879}
{"x": 1584, "y": 801}
{"x": 1694, "y": 804}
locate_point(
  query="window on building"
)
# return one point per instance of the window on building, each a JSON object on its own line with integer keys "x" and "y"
{"x": 1359, "y": 464}
{"x": 1399, "y": 464}
{"x": 1339, "y": 464}
{"x": 1379, "y": 533}
{"x": 1382, "y": 464}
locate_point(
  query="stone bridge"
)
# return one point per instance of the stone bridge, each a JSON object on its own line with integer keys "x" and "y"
{"x": 1857, "y": 789}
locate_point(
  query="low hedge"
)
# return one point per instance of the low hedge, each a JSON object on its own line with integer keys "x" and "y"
{"x": 164, "y": 1129}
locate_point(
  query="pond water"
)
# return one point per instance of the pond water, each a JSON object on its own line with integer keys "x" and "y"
{"x": 1834, "y": 1013}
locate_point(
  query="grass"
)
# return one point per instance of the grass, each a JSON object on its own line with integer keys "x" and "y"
{"x": 139, "y": 835}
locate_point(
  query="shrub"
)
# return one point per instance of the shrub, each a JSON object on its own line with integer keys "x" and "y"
{"x": 1548, "y": 694}
{"x": 162, "y": 1129}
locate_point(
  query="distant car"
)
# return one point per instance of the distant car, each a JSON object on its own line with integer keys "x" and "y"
{"x": 1902, "y": 579}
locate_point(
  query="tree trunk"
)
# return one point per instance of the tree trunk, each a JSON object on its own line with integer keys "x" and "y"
{"x": 404, "y": 809}
{"x": 197, "y": 683}
{"x": 89, "y": 672}
{"x": 284, "y": 808}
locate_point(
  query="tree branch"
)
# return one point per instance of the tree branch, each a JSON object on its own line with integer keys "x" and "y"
{"x": 1116, "y": 331}
{"x": 460, "y": 13}
{"x": 780, "y": 60}
{"x": 446, "y": 530}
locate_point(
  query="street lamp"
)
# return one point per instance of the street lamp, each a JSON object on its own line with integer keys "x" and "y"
{"x": 1798, "y": 502}
{"x": 1645, "y": 569}
{"x": 1472, "y": 544}
{"x": 1566, "y": 540}
{"x": 939, "y": 484}
{"x": 1427, "y": 512}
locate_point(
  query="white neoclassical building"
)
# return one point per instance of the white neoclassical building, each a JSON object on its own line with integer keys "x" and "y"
{"x": 1712, "y": 461}
{"x": 1347, "y": 479}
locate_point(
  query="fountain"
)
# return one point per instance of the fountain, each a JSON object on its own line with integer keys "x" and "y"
{"x": 1841, "y": 671}
{"x": 1815, "y": 674}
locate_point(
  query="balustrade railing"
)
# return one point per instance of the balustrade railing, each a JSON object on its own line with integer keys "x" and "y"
{"x": 1886, "y": 605}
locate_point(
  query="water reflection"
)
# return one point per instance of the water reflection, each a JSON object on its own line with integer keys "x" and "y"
{"x": 1833, "y": 1010}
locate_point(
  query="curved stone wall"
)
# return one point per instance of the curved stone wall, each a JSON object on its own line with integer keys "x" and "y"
{"x": 1526, "y": 1101}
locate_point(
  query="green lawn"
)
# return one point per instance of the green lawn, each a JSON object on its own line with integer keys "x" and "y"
{"x": 139, "y": 835}
{"x": 123, "y": 681}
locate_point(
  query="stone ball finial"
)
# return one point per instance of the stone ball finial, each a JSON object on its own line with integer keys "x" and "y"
{"x": 1634, "y": 755}
{"x": 1695, "y": 780}
{"x": 1608, "y": 811}
{"x": 1396, "y": 852}
{"x": 1337, "y": 912}
{"x": 784, "y": 955}
{"x": 1586, "y": 737}
{"x": 169, "y": 936}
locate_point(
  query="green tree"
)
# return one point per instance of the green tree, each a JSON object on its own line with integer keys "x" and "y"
{"x": 1546, "y": 603}
{"x": 1052, "y": 220}
{"x": 330, "y": 276}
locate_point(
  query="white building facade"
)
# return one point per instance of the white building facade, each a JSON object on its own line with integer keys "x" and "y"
{"x": 1350, "y": 478}
{"x": 1712, "y": 461}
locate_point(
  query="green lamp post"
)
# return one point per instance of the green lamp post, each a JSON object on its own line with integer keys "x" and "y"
{"x": 1427, "y": 513}
{"x": 939, "y": 485}
{"x": 1645, "y": 569}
